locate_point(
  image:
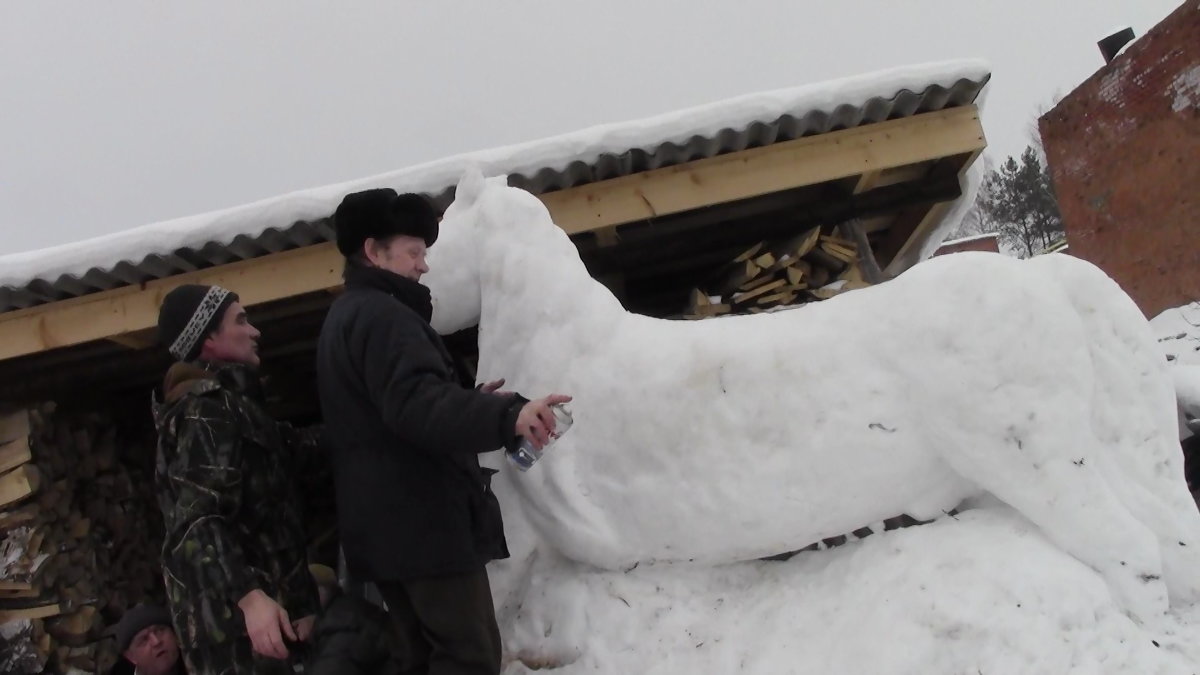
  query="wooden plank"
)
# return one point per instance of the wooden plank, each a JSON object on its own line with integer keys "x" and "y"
{"x": 14, "y": 453}
{"x": 711, "y": 310}
{"x": 838, "y": 241}
{"x": 773, "y": 168}
{"x": 755, "y": 283}
{"x": 19, "y": 484}
{"x": 870, "y": 180}
{"x": 15, "y": 424}
{"x": 782, "y": 297}
{"x": 39, "y": 612}
{"x": 840, "y": 253}
{"x": 747, "y": 296}
{"x": 867, "y": 181}
{"x": 795, "y": 275}
{"x": 765, "y": 260}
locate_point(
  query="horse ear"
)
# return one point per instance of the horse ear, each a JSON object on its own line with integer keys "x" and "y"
{"x": 469, "y": 186}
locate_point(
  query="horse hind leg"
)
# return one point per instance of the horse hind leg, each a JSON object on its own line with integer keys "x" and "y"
{"x": 1069, "y": 500}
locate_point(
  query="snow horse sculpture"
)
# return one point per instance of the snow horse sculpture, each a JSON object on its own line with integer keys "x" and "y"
{"x": 1035, "y": 381}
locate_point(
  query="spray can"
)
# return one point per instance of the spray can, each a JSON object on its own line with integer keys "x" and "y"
{"x": 526, "y": 455}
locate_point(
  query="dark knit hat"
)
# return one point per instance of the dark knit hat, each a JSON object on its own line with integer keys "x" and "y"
{"x": 137, "y": 618}
{"x": 382, "y": 213}
{"x": 188, "y": 314}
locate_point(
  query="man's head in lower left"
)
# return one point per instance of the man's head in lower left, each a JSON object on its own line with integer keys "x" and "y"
{"x": 146, "y": 639}
{"x": 207, "y": 322}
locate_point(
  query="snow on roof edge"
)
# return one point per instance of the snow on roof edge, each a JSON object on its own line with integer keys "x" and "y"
{"x": 963, "y": 240}
{"x": 555, "y": 152}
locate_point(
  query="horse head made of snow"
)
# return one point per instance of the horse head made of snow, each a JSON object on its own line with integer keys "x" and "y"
{"x": 1037, "y": 382}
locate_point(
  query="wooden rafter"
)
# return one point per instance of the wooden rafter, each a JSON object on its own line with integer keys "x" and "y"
{"x": 782, "y": 166}
{"x": 127, "y": 314}
{"x": 906, "y": 235}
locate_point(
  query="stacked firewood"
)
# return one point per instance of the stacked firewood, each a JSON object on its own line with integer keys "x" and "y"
{"x": 815, "y": 265}
{"x": 77, "y": 540}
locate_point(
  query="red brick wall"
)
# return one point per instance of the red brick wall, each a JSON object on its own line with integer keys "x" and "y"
{"x": 973, "y": 244}
{"x": 1124, "y": 152}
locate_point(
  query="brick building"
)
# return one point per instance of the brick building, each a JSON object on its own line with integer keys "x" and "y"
{"x": 1124, "y": 152}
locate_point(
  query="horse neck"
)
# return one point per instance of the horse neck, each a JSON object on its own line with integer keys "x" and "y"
{"x": 535, "y": 281}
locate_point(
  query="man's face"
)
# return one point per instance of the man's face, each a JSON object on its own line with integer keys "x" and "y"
{"x": 401, "y": 254}
{"x": 154, "y": 650}
{"x": 235, "y": 340}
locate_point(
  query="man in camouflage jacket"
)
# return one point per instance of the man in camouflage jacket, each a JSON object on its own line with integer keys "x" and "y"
{"x": 233, "y": 557}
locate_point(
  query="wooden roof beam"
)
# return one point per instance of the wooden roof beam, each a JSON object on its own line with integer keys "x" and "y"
{"x": 916, "y": 226}
{"x": 782, "y": 166}
{"x": 134, "y": 309}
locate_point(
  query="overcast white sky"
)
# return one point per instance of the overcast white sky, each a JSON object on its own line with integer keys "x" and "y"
{"x": 118, "y": 114}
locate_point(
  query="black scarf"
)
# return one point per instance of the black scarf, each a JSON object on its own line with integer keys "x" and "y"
{"x": 412, "y": 294}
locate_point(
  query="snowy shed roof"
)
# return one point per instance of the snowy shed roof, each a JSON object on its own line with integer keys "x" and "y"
{"x": 299, "y": 219}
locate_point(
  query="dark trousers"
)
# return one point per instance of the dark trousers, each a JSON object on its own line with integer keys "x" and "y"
{"x": 446, "y": 625}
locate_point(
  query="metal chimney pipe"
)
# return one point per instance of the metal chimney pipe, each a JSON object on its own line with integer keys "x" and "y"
{"x": 1112, "y": 44}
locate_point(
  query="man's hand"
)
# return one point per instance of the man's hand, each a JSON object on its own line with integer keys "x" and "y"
{"x": 536, "y": 420}
{"x": 494, "y": 388}
{"x": 304, "y": 627}
{"x": 267, "y": 624}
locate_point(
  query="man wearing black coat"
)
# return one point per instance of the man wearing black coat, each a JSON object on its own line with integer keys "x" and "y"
{"x": 416, "y": 512}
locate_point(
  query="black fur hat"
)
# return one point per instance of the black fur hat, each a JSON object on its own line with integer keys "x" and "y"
{"x": 382, "y": 213}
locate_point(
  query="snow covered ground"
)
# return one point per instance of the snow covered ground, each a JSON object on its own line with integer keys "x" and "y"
{"x": 701, "y": 446}
{"x": 984, "y": 592}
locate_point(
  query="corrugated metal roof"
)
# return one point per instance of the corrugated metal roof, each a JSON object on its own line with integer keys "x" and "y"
{"x": 789, "y": 126}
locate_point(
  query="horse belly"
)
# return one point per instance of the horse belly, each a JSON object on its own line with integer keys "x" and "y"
{"x": 687, "y": 503}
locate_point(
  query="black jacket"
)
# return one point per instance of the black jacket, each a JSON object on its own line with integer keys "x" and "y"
{"x": 404, "y": 431}
{"x": 353, "y": 637}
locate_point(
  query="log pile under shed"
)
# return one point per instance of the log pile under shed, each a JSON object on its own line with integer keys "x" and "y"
{"x": 78, "y": 540}
{"x": 814, "y": 265}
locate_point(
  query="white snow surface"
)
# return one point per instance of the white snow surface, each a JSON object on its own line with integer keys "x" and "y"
{"x": 977, "y": 237}
{"x": 1178, "y": 333}
{"x": 700, "y": 446}
{"x": 553, "y": 153}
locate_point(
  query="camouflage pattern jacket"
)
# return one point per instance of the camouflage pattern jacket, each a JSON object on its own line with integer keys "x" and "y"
{"x": 225, "y": 484}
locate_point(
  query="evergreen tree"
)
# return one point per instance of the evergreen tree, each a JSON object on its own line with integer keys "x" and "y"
{"x": 1018, "y": 201}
